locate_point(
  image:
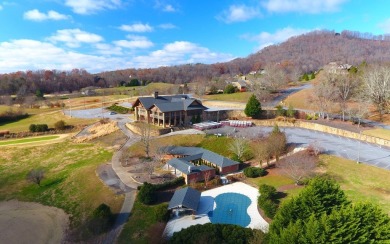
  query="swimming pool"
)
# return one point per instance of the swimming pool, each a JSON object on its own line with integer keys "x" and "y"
{"x": 231, "y": 208}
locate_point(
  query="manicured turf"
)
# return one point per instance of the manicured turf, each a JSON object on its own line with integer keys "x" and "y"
{"x": 234, "y": 97}
{"x": 28, "y": 140}
{"x": 360, "y": 182}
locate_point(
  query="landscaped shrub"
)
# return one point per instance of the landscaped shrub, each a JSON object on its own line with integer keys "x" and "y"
{"x": 267, "y": 191}
{"x": 268, "y": 200}
{"x": 161, "y": 213}
{"x": 38, "y": 128}
{"x": 101, "y": 220}
{"x": 60, "y": 125}
{"x": 268, "y": 206}
{"x": 213, "y": 233}
{"x": 118, "y": 109}
{"x": 147, "y": 193}
{"x": 253, "y": 172}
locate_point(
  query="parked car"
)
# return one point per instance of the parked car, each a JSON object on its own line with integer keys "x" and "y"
{"x": 112, "y": 113}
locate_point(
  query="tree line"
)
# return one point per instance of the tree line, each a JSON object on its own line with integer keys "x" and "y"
{"x": 295, "y": 57}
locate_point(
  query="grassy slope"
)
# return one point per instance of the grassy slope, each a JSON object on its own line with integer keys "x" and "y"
{"x": 137, "y": 229}
{"x": 70, "y": 183}
{"x": 381, "y": 133}
{"x": 234, "y": 97}
{"x": 359, "y": 181}
{"x": 43, "y": 118}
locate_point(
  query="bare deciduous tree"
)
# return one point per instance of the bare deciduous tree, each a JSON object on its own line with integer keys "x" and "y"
{"x": 345, "y": 87}
{"x": 277, "y": 144}
{"x": 239, "y": 146}
{"x": 377, "y": 83}
{"x": 207, "y": 178}
{"x": 298, "y": 166}
{"x": 36, "y": 176}
{"x": 145, "y": 129}
{"x": 323, "y": 96}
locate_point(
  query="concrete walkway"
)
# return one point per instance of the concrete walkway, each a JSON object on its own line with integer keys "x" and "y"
{"x": 126, "y": 178}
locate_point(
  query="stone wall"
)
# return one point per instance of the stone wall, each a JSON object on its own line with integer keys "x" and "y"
{"x": 134, "y": 127}
{"x": 326, "y": 129}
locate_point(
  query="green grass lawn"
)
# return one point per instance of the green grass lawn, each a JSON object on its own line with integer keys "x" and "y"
{"x": 360, "y": 182}
{"x": 381, "y": 133}
{"x": 27, "y": 140}
{"x": 234, "y": 97}
{"x": 140, "y": 227}
{"x": 70, "y": 181}
{"x": 43, "y": 118}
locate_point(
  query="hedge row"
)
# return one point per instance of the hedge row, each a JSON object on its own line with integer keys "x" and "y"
{"x": 118, "y": 109}
{"x": 38, "y": 127}
{"x": 253, "y": 172}
{"x": 267, "y": 200}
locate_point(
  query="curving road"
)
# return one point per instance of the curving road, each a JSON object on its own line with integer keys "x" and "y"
{"x": 340, "y": 146}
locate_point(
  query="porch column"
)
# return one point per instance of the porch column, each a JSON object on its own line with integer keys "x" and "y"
{"x": 170, "y": 118}
{"x": 174, "y": 118}
{"x": 163, "y": 120}
{"x": 158, "y": 118}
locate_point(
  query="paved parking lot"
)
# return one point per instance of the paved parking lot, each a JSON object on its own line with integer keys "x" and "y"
{"x": 340, "y": 146}
{"x": 99, "y": 113}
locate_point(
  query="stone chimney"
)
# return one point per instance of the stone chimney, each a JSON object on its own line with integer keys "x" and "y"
{"x": 155, "y": 94}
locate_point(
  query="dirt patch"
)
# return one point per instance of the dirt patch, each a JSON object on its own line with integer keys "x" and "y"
{"x": 25, "y": 222}
{"x": 98, "y": 130}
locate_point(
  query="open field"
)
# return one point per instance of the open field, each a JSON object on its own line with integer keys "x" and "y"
{"x": 49, "y": 118}
{"x": 359, "y": 181}
{"x": 234, "y": 97}
{"x": 70, "y": 181}
{"x": 381, "y": 133}
{"x": 28, "y": 140}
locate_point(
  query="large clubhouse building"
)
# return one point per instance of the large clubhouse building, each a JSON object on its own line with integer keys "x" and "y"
{"x": 168, "y": 110}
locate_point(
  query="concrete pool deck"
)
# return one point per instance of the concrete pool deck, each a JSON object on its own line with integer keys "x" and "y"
{"x": 207, "y": 203}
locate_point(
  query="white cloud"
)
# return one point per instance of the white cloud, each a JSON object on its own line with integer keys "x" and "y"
{"x": 239, "y": 13}
{"x": 1, "y": 7}
{"x": 169, "y": 8}
{"x": 44, "y": 55}
{"x": 92, "y": 6}
{"x": 36, "y": 15}
{"x": 167, "y": 26}
{"x": 135, "y": 42}
{"x": 137, "y": 28}
{"x": 180, "y": 52}
{"x": 107, "y": 49}
{"x": 75, "y": 37}
{"x": 266, "y": 39}
{"x": 303, "y": 6}
{"x": 385, "y": 26}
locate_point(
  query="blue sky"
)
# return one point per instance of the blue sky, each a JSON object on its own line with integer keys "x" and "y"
{"x": 100, "y": 35}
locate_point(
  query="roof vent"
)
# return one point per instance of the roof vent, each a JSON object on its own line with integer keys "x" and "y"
{"x": 155, "y": 94}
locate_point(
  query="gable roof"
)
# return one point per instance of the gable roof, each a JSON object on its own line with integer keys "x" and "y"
{"x": 185, "y": 197}
{"x": 186, "y": 167}
{"x": 212, "y": 157}
{"x": 170, "y": 103}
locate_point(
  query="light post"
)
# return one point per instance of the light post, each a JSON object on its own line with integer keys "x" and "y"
{"x": 358, "y": 157}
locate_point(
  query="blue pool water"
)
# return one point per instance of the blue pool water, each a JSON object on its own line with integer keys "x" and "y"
{"x": 231, "y": 208}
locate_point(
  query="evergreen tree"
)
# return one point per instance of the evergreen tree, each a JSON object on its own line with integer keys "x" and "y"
{"x": 253, "y": 107}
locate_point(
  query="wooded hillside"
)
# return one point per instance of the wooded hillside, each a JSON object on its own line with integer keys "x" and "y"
{"x": 298, "y": 55}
